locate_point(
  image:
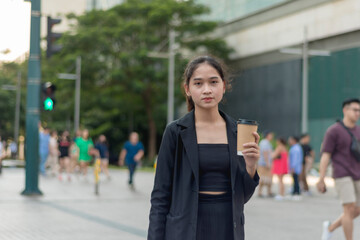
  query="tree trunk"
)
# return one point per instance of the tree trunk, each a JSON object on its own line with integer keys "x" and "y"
{"x": 152, "y": 126}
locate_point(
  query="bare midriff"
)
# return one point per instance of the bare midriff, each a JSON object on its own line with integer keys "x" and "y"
{"x": 211, "y": 193}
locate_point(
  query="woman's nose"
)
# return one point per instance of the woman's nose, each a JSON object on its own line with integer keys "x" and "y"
{"x": 207, "y": 88}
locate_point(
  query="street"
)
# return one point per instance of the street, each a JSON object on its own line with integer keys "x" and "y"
{"x": 73, "y": 211}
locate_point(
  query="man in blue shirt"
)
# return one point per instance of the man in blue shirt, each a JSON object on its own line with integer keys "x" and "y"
{"x": 44, "y": 139}
{"x": 132, "y": 153}
{"x": 295, "y": 162}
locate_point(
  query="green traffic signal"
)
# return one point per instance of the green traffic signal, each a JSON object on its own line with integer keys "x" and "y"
{"x": 48, "y": 104}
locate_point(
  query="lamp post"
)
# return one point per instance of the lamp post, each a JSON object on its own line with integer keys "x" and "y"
{"x": 77, "y": 78}
{"x": 16, "y": 88}
{"x": 32, "y": 105}
{"x": 305, "y": 52}
{"x": 171, "y": 72}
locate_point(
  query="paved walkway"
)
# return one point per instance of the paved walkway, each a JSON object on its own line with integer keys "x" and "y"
{"x": 72, "y": 211}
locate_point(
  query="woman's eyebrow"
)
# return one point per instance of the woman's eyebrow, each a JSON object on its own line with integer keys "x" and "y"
{"x": 199, "y": 78}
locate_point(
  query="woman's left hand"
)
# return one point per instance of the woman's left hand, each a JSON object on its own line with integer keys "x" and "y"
{"x": 251, "y": 153}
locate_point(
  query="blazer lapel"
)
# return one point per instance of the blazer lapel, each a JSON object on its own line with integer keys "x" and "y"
{"x": 231, "y": 131}
{"x": 188, "y": 136}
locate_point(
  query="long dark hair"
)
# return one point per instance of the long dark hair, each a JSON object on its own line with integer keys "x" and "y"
{"x": 194, "y": 64}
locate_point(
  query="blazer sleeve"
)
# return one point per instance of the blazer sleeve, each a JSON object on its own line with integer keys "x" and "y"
{"x": 250, "y": 183}
{"x": 162, "y": 191}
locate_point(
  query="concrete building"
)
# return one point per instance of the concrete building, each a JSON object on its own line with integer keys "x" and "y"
{"x": 60, "y": 8}
{"x": 267, "y": 84}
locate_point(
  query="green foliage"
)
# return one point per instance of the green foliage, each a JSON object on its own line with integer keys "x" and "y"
{"x": 124, "y": 89}
{"x": 9, "y": 76}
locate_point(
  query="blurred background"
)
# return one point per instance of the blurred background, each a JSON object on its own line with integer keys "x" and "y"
{"x": 292, "y": 63}
{"x": 248, "y": 35}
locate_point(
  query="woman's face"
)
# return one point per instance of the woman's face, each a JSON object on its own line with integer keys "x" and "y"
{"x": 206, "y": 87}
{"x": 85, "y": 134}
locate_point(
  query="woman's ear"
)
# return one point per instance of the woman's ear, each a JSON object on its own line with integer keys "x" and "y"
{"x": 187, "y": 92}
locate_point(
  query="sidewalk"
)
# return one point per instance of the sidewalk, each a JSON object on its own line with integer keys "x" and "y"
{"x": 73, "y": 211}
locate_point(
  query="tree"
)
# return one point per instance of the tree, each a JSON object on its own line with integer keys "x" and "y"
{"x": 115, "y": 46}
{"x": 8, "y": 76}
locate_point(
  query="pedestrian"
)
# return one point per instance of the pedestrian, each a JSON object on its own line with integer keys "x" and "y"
{"x": 132, "y": 153}
{"x": 103, "y": 149}
{"x": 265, "y": 163}
{"x": 346, "y": 168}
{"x": 85, "y": 145}
{"x": 280, "y": 165}
{"x": 13, "y": 149}
{"x": 74, "y": 158}
{"x": 308, "y": 159}
{"x": 295, "y": 164}
{"x": 64, "y": 158}
{"x": 54, "y": 153}
{"x": 201, "y": 184}
{"x": 44, "y": 138}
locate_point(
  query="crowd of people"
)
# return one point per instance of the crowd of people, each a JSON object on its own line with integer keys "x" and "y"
{"x": 9, "y": 149}
{"x": 63, "y": 156}
{"x": 294, "y": 156}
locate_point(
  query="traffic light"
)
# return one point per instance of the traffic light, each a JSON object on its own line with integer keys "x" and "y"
{"x": 52, "y": 47}
{"x": 48, "y": 96}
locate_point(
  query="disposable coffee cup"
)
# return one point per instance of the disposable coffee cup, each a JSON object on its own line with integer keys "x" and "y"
{"x": 245, "y": 129}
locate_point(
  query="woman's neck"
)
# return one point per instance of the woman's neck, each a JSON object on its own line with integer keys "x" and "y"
{"x": 207, "y": 115}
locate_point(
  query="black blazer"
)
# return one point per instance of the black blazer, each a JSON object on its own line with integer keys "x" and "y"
{"x": 174, "y": 199}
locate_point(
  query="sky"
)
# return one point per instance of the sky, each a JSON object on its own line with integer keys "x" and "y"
{"x": 14, "y": 28}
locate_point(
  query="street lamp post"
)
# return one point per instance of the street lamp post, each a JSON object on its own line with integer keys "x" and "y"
{"x": 170, "y": 55}
{"x": 32, "y": 105}
{"x": 171, "y": 77}
{"x": 77, "y": 78}
{"x": 305, "y": 52}
{"x": 16, "y": 88}
{"x": 17, "y": 108}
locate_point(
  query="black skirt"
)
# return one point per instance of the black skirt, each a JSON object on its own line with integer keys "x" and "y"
{"x": 215, "y": 217}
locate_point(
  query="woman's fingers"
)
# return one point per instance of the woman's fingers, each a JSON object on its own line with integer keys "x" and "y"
{"x": 251, "y": 145}
{"x": 257, "y": 137}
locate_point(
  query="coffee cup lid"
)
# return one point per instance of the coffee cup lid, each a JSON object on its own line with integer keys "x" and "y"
{"x": 247, "y": 121}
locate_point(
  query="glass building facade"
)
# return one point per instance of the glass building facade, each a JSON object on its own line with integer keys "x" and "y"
{"x": 228, "y": 10}
{"x": 101, "y": 4}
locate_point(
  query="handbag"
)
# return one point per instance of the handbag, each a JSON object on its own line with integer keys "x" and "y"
{"x": 355, "y": 144}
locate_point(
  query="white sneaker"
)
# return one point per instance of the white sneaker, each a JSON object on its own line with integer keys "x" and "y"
{"x": 296, "y": 198}
{"x": 326, "y": 234}
{"x": 278, "y": 198}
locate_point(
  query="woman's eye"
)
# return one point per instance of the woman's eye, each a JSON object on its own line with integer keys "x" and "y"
{"x": 197, "y": 83}
{"x": 214, "y": 82}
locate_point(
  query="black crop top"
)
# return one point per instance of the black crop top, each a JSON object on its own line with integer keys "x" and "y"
{"x": 214, "y": 166}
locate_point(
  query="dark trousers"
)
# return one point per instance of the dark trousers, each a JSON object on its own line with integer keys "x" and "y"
{"x": 303, "y": 179}
{"x": 296, "y": 190}
{"x": 132, "y": 168}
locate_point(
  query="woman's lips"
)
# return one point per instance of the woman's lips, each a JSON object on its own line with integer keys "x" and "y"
{"x": 207, "y": 99}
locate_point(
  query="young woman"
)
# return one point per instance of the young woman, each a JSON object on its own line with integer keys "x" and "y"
{"x": 85, "y": 145}
{"x": 280, "y": 165}
{"x": 103, "y": 150}
{"x": 64, "y": 160}
{"x": 201, "y": 184}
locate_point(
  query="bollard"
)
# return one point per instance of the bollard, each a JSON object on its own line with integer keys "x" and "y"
{"x": 97, "y": 170}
